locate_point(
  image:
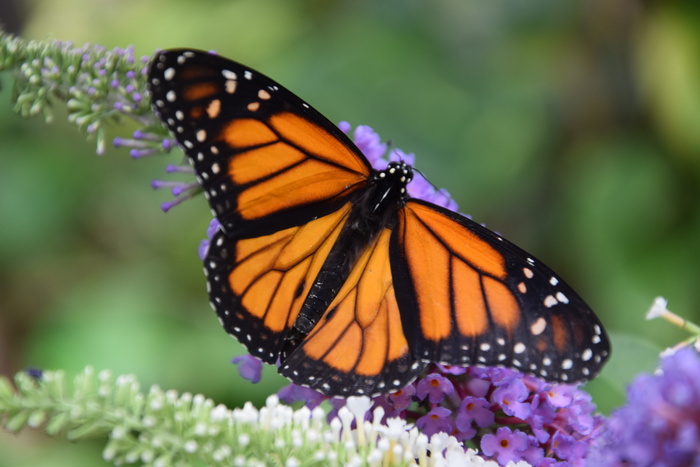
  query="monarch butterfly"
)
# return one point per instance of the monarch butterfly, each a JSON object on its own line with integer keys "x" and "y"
{"x": 327, "y": 267}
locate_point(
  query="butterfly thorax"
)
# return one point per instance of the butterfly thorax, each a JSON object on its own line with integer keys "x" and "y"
{"x": 390, "y": 185}
{"x": 373, "y": 211}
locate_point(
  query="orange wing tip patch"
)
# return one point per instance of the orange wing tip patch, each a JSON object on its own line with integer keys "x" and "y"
{"x": 214, "y": 108}
{"x": 230, "y": 86}
{"x": 559, "y": 333}
{"x": 190, "y": 73}
{"x": 200, "y": 91}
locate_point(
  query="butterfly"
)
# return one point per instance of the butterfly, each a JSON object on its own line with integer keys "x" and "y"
{"x": 329, "y": 269}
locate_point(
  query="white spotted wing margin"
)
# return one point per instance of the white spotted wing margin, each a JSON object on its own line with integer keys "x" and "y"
{"x": 265, "y": 159}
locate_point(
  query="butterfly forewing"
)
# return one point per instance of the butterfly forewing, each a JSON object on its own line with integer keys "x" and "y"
{"x": 265, "y": 159}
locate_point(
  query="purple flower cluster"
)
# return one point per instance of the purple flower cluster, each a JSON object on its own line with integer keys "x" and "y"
{"x": 98, "y": 85}
{"x": 660, "y": 425}
{"x": 506, "y": 415}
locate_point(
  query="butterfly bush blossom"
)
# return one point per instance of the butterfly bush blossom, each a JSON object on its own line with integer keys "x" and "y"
{"x": 660, "y": 425}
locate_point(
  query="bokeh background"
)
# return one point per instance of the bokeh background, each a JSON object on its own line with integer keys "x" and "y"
{"x": 572, "y": 128}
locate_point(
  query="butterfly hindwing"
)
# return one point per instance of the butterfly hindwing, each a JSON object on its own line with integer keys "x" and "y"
{"x": 258, "y": 285}
{"x": 468, "y": 296}
{"x": 358, "y": 346}
{"x": 265, "y": 159}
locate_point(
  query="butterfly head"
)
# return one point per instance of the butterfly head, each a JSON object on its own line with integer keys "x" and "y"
{"x": 396, "y": 174}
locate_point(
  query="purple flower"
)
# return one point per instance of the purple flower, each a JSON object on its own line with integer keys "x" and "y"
{"x": 369, "y": 142}
{"x": 249, "y": 367}
{"x": 401, "y": 400}
{"x": 451, "y": 369}
{"x": 435, "y": 421}
{"x": 560, "y": 395}
{"x": 474, "y": 409}
{"x": 295, "y": 393}
{"x": 204, "y": 244}
{"x": 660, "y": 424}
{"x": 434, "y": 387}
{"x": 397, "y": 155}
{"x": 512, "y": 399}
{"x": 568, "y": 448}
{"x": 505, "y": 445}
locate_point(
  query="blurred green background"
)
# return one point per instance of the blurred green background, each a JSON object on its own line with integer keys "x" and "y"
{"x": 572, "y": 128}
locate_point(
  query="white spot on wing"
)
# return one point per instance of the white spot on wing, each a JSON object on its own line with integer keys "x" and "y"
{"x": 538, "y": 326}
{"x": 550, "y": 301}
{"x": 586, "y": 355}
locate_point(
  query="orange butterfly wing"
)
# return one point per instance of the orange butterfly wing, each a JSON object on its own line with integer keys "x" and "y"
{"x": 262, "y": 166}
{"x": 258, "y": 285}
{"x": 468, "y": 296}
{"x": 358, "y": 346}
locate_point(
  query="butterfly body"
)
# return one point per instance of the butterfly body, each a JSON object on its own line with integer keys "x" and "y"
{"x": 373, "y": 210}
{"x": 327, "y": 266}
